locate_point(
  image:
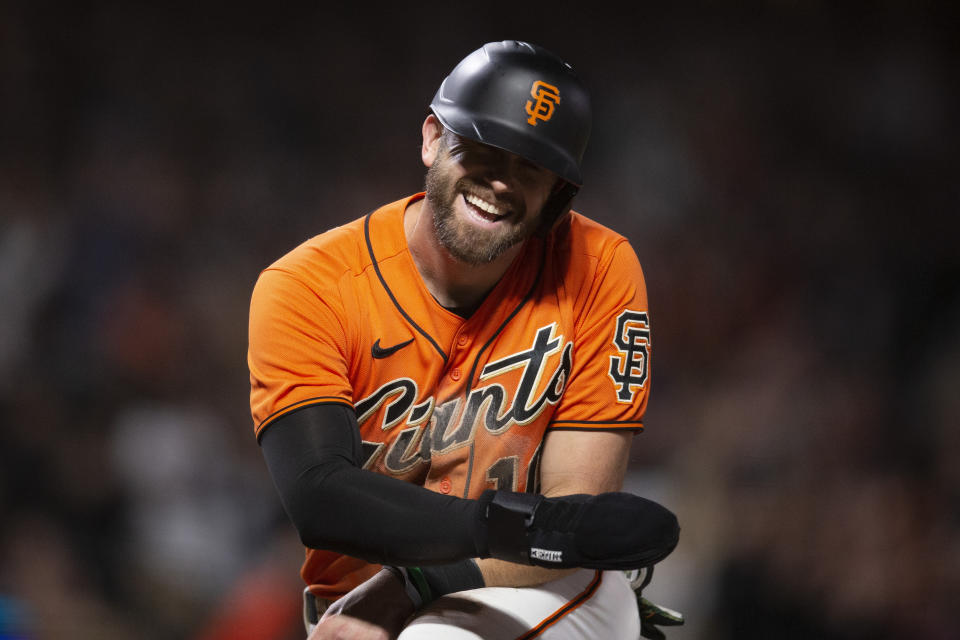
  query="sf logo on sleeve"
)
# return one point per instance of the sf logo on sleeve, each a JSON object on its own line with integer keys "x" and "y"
{"x": 628, "y": 369}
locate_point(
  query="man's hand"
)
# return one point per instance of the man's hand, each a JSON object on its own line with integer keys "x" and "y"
{"x": 377, "y": 609}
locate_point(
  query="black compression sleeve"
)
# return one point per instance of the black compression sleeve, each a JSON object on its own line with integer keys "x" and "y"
{"x": 314, "y": 454}
{"x": 451, "y": 578}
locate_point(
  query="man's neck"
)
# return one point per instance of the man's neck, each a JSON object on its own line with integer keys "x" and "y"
{"x": 456, "y": 285}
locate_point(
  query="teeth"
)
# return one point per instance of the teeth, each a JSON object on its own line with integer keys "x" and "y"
{"x": 483, "y": 204}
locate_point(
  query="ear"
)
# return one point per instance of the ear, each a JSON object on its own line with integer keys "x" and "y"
{"x": 432, "y": 134}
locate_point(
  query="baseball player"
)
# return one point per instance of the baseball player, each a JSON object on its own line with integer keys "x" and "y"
{"x": 445, "y": 390}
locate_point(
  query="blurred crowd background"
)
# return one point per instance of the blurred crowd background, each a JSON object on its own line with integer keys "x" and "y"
{"x": 786, "y": 171}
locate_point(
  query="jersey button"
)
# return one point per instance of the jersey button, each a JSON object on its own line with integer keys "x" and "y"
{"x": 445, "y": 485}
{"x": 462, "y": 341}
{"x": 455, "y": 374}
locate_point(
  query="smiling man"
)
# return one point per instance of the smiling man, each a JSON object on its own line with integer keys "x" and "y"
{"x": 500, "y": 193}
{"x": 445, "y": 390}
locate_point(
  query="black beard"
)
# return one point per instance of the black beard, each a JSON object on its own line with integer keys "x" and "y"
{"x": 466, "y": 244}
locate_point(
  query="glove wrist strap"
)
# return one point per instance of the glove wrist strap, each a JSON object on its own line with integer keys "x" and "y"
{"x": 509, "y": 516}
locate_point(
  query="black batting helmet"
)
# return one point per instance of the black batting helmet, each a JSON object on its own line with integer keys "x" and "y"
{"x": 521, "y": 98}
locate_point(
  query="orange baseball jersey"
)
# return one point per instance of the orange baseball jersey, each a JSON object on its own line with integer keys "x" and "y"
{"x": 456, "y": 405}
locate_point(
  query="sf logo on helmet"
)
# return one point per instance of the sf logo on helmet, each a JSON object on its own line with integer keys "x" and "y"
{"x": 547, "y": 97}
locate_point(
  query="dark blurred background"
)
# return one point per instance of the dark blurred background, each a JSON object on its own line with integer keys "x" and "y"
{"x": 784, "y": 169}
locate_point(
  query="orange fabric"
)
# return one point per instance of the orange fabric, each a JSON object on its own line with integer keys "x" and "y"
{"x": 562, "y": 341}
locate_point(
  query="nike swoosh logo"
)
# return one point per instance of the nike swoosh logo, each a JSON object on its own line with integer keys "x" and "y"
{"x": 385, "y": 352}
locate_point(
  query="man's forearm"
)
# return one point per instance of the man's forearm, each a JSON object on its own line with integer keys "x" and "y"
{"x": 562, "y": 481}
{"x": 564, "y": 478}
{"x": 312, "y": 455}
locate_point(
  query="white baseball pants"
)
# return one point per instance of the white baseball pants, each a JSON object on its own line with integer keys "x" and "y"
{"x": 586, "y": 605}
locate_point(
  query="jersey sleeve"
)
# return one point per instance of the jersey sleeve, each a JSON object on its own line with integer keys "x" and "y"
{"x": 610, "y": 379}
{"x": 297, "y": 352}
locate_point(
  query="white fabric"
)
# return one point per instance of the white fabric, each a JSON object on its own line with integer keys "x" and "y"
{"x": 502, "y": 613}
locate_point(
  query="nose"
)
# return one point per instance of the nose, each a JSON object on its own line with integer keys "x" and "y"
{"x": 502, "y": 171}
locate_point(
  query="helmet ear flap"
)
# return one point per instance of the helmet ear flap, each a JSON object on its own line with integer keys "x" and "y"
{"x": 557, "y": 206}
